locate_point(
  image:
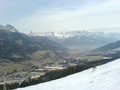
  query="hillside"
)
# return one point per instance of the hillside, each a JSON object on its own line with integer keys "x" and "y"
{"x": 110, "y": 47}
{"x": 104, "y": 77}
{"x": 18, "y": 46}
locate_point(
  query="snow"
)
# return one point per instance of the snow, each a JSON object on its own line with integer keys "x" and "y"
{"x": 104, "y": 77}
{"x": 8, "y": 28}
{"x": 64, "y": 35}
{"x": 116, "y": 49}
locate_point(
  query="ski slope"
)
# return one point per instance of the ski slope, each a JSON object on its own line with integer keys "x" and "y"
{"x": 104, "y": 77}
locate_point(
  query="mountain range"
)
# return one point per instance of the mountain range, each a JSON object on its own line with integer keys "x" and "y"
{"x": 80, "y": 39}
{"x": 19, "y": 46}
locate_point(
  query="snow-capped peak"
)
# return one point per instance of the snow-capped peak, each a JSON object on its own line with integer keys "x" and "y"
{"x": 8, "y": 28}
{"x": 64, "y": 35}
{"x": 51, "y": 34}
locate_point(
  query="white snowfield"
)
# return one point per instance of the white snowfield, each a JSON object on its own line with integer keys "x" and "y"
{"x": 104, "y": 77}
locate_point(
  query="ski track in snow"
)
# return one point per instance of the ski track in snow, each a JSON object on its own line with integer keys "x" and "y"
{"x": 105, "y": 77}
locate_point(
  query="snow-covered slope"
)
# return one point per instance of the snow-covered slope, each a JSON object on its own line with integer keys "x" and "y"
{"x": 104, "y": 77}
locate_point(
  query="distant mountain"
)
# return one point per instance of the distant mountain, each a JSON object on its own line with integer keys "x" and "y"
{"x": 80, "y": 39}
{"x": 18, "y": 46}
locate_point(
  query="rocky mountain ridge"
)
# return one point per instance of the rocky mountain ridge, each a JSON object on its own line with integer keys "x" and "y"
{"x": 80, "y": 39}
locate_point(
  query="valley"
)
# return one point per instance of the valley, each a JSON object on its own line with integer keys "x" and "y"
{"x": 24, "y": 57}
{"x": 59, "y": 44}
{"x": 37, "y": 66}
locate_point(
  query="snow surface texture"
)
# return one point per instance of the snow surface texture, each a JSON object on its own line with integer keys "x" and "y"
{"x": 104, "y": 77}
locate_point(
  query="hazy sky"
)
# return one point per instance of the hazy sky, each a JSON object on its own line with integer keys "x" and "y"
{"x": 61, "y": 15}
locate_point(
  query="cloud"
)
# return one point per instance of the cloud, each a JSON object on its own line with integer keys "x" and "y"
{"x": 96, "y": 15}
